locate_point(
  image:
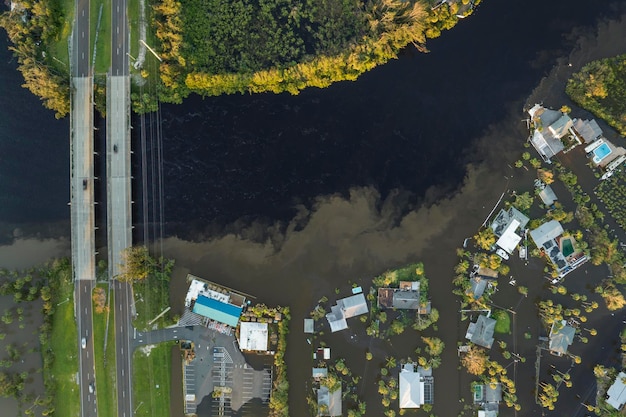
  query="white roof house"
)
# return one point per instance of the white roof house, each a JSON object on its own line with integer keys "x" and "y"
{"x": 509, "y": 239}
{"x": 253, "y": 336}
{"x": 547, "y": 195}
{"x": 616, "y": 395}
{"x": 352, "y": 306}
{"x": 411, "y": 388}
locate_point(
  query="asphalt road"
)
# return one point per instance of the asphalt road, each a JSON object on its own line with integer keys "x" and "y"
{"x": 87, "y": 373}
{"x": 120, "y": 38}
{"x": 123, "y": 351}
{"x": 81, "y": 66}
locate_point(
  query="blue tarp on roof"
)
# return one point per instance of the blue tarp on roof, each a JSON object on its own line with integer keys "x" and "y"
{"x": 216, "y": 310}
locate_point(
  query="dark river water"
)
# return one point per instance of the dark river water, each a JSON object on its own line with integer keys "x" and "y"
{"x": 288, "y": 198}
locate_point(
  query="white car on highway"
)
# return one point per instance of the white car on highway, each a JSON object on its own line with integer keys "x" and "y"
{"x": 502, "y": 254}
{"x": 83, "y": 343}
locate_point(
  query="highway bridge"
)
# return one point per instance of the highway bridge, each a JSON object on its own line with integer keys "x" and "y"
{"x": 118, "y": 191}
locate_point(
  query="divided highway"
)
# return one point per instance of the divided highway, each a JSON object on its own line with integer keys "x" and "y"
{"x": 119, "y": 214}
{"x": 82, "y": 203}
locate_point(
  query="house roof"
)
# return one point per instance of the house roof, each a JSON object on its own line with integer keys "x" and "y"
{"x": 487, "y": 272}
{"x": 406, "y": 299}
{"x": 547, "y": 195}
{"x": 504, "y": 219}
{"x": 477, "y": 287}
{"x": 309, "y": 326}
{"x": 561, "y": 125}
{"x": 411, "y": 389}
{"x": 589, "y": 130}
{"x": 509, "y": 239}
{"x": 616, "y": 395}
{"x": 493, "y": 395}
{"x": 352, "y": 306}
{"x": 319, "y": 372}
{"x": 217, "y": 310}
{"x": 332, "y": 401}
{"x": 561, "y": 338}
{"x": 547, "y": 231}
{"x": 253, "y": 336}
{"x": 481, "y": 332}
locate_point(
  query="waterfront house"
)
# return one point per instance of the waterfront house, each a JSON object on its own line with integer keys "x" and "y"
{"x": 549, "y": 127}
{"x": 561, "y": 337}
{"x": 416, "y": 386}
{"x": 346, "y": 308}
{"x": 481, "y": 332}
{"x": 329, "y": 403}
{"x": 587, "y": 130}
{"x": 616, "y": 394}
{"x": 406, "y": 297}
{"x": 505, "y": 226}
{"x": 559, "y": 249}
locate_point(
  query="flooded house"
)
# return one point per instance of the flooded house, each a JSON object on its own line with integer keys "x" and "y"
{"x": 559, "y": 249}
{"x": 561, "y": 337}
{"x": 616, "y": 394}
{"x": 481, "y": 332}
{"x": 346, "y": 308}
{"x": 416, "y": 386}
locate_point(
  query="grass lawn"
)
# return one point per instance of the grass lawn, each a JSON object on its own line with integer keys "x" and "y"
{"x": 103, "y": 44}
{"x": 151, "y": 380}
{"x": 151, "y": 298}
{"x": 59, "y": 47}
{"x": 503, "y": 321}
{"x": 65, "y": 367}
{"x": 105, "y": 375}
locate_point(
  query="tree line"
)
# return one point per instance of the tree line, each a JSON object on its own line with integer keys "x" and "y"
{"x": 212, "y": 47}
{"x": 31, "y": 26}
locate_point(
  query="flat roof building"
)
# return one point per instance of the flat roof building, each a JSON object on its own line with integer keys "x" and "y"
{"x": 253, "y": 336}
{"x": 309, "y": 326}
{"x": 217, "y": 310}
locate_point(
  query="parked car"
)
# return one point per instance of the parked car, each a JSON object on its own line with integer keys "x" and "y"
{"x": 502, "y": 254}
{"x": 83, "y": 343}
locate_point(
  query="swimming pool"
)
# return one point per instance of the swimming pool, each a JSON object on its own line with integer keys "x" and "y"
{"x": 601, "y": 152}
{"x": 567, "y": 247}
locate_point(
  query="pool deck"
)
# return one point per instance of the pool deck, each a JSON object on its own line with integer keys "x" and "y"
{"x": 616, "y": 152}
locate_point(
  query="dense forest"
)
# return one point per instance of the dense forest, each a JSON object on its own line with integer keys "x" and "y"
{"x": 32, "y": 25}
{"x": 212, "y": 47}
{"x": 600, "y": 87}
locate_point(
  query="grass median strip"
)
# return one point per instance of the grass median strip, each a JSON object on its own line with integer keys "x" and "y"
{"x": 152, "y": 370}
{"x": 63, "y": 342}
{"x": 105, "y": 365}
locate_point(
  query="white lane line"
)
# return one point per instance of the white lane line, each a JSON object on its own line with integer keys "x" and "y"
{"x": 83, "y": 12}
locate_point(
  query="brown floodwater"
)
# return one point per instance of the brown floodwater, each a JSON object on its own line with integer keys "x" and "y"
{"x": 344, "y": 240}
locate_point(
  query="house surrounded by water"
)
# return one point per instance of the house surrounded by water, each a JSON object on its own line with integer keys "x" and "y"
{"x": 561, "y": 250}
{"x": 346, "y": 308}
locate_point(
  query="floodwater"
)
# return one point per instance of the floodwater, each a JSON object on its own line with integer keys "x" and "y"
{"x": 288, "y": 198}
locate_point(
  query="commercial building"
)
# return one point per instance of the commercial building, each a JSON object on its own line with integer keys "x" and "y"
{"x": 253, "y": 336}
